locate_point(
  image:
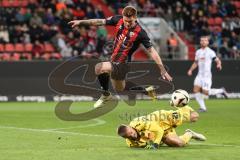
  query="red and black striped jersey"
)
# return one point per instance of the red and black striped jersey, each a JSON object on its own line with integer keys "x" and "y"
{"x": 126, "y": 40}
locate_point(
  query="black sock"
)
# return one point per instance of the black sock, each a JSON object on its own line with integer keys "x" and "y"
{"x": 104, "y": 81}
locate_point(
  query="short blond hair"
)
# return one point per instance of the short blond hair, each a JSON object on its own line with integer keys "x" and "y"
{"x": 129, "y": 11}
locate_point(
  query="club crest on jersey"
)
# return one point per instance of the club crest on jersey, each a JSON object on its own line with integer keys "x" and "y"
{"x": 131, "y": 34}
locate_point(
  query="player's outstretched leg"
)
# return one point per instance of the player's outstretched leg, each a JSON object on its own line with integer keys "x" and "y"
{"x": 102, "y": 70}
{"x": 150, "y": 90}
{"x": 130, "y": 89}
{"x": 196, "y": 136}
{"x": 106, "y": 95}
{"x": 173, "y": 140}
{"x": 200, "y": 99}
{"x": 215, "y": 91}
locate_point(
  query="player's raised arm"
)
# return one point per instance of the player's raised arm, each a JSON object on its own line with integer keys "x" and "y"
{"x": 192, "y": 68}
{"x": 89, "y": 22}
{"x": 112, "y": 21}
{"x": 155, "y": 56}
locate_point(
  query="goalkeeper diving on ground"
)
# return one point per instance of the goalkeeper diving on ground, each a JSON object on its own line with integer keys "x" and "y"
{"x": 157, "y": 128}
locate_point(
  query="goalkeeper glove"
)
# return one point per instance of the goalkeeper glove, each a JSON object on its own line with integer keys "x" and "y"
{"x": 151, "y": 145}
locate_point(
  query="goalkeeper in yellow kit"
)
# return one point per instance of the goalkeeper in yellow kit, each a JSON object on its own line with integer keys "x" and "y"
{"x": 159, "y": 127}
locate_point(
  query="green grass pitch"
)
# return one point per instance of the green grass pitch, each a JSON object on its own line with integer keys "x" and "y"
{"x": 31, "y": 131}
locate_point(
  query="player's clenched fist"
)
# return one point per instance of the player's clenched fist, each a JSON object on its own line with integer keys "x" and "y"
{"x": 151, "y": 145}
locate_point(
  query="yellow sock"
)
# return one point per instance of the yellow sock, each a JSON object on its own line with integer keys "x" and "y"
{"x": 186, "y": 137}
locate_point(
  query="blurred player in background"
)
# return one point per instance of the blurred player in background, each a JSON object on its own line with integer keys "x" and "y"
{"x": 129, "y": 35}
{"x": 159, "y": 127}
{"x": 203, "y": 81}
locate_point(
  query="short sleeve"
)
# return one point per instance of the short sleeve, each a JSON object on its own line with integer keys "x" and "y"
{"x": 145, "y": 40}
{"x": 113, "y": 20}
{"x": 196, "y": 56}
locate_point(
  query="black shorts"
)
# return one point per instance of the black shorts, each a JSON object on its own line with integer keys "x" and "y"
{"x": 119, "y": 70}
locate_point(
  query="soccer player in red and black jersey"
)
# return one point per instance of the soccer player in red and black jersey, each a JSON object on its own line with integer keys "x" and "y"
{"x": 129, "y": 35}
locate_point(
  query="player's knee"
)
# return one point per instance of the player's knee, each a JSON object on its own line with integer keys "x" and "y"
{"x": 179, "y": 144}
{"x": 196, "y": 90}
{"x": 103, "y": 67}
{"x": 176, "y": 143}
{"x": 98, "y": 68}
{"x": 173, "y": 141}
{"x": 205, "y": 92}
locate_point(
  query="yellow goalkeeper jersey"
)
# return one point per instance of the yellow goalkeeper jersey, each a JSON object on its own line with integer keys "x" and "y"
{"x": 154, "y": 125}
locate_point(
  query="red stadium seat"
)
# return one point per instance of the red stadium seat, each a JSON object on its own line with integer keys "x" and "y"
{"x": 15, "y": 3}
{"x": 19, "y": 47}
{"x": 27, "y": 56}
{"x": 24, "y": 3}
{"x": 5, "y": 56}
{"x": 211, "y": 21}
{"x": 191, "y": 51}
{"x": 9, "y": 47}
{"x": 218, "y": 21}
{"x": 6, "y": 3}
{"x": 16, "y": 57}
{"x": 238, "y": 4}
{"x": 28, "y": 47}
{"x": 48, "y": 47}
{"x": 56, "y": 56}
{"x": 46, "y": 56}
{"x": 1, "y": 48}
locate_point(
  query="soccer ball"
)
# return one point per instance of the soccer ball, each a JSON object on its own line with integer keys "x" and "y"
{"x": 180, "y": 98}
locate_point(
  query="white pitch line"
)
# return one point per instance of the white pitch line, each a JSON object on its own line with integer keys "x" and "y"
{"x": 212, "y": 144}
{"x": 99, "y": 135}
{"x": 60, "y": 132}
{"x": 98, "y": 123}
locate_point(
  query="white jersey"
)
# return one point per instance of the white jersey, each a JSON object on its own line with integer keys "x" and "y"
{"x": 204, "y": 59}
